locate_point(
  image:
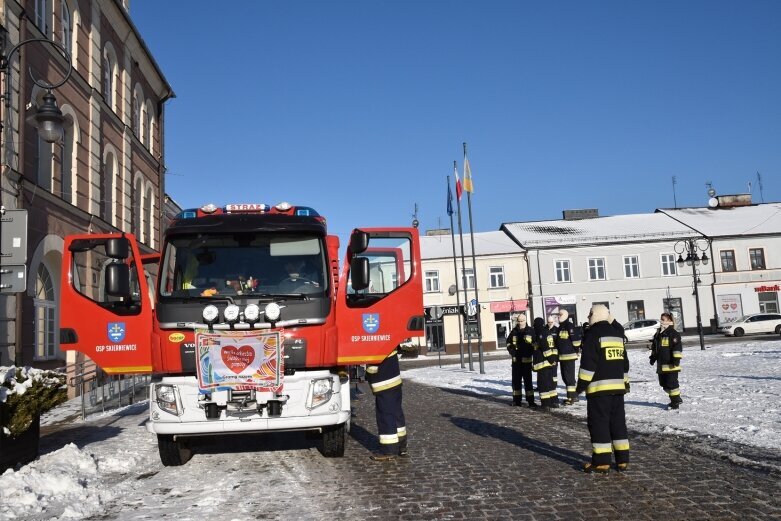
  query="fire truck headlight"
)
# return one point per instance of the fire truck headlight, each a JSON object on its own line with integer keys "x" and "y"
{"x": 322, "y": 390}
{"x": 272, "y": 311}
{"x": 231, "y": 313}
{"x": 166, "y": 398}
{"x": 251, "y": 313}
{"x": 210, "y": 313}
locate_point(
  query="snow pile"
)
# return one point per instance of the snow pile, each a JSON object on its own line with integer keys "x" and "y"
{"x": 15, "y": 380}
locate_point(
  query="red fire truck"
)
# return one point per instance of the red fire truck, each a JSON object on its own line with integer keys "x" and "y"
{"x": 244, "y": 318}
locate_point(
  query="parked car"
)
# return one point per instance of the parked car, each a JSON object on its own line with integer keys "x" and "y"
{"x": 756, "y": 323}
{"x": 641, "y": 329}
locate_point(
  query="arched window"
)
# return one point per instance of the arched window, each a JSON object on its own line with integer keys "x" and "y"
{"x": 67, "y": 27}
{"x": 109, "y": 188}
{"x": 45, "y": 315}
{"x": 45, "y": 164}
{"x": 43, "y": 16}
{"x": 138, "y": 215}
{"x": 108, "y": 81}
{"x": 68, "y": 158}
{"x": 138, "y": 103}
{"x": 150, "y": 125}
{"x": 145, "y": 124}
{"x": 148, "y": 216}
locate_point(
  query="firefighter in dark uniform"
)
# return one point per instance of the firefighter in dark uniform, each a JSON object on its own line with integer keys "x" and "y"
{"x": 567, "y": 355}
{"x": 520, "y": 344}
{"x": 543, "y": 359}
{"x": 666, "y": 352}
{"x": 552, "y": 330}
{"x": 604, "y": 367}
{"x": 385, "y": 382}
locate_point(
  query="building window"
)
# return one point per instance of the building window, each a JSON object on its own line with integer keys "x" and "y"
{"x": 728, "y": 260}
{"x": 109, "y": 181}
{"x": 147, "y": 221}
{"x": 635, "y": 309}
{"x": 768, "y": 302}
{"x": 42, "y": 16}
{"x": 45, "y": 316}
{"x": 108, "y": 81}
{"x": 596, "y": 269}
{"x": 432, "y": 281}
{"x": 468, "y": 278}
{"x": 668, "y": 265}
{"x": 562, "y": 271}
{"x": 67, "y": 28}
{"x": 631, "y": 267}
{"x": 496, "y": 274}
{"x": 757, "y": 257}
{"x": 137, "y": 116}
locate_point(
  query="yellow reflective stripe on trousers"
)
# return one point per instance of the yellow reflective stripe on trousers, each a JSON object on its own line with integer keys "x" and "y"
{"x": 389, "y": 439}
{"x": 674, "y": 392}
{"x": 666, "y": 368}
{"x": 602, "y": 448}
{"x": 621, "y": 444}
{"x": 386, "y": 384}
{"x": 372, "y": 369}
{"x": 606, "y": 385}
{"x": 677, "y": 354}
{"x": 585, "y": 375}
{"x": 401, "y": 432}
{"x": 571, "y": 356}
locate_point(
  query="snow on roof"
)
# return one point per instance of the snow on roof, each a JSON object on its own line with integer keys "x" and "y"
{"x": 758, "y": 219}
{"x": 486, "y": 243}
{"x": 600, "y": 230}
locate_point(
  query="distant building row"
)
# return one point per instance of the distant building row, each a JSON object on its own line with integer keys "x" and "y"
{"x": 627, "y": 262}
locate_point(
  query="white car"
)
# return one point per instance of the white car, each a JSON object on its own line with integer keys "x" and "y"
{"x": 756, "y": 323}
{"x": 641, "y": 329}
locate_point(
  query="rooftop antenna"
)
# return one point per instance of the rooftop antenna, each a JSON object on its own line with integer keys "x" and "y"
{"x": 759, "y": 182}
{"x": 749, "y": 187}
{"x": 675, "y": 198}
{"x": 415, "y": 222}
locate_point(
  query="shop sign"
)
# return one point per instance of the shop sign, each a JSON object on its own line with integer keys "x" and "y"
{"x": 764, "y": 289}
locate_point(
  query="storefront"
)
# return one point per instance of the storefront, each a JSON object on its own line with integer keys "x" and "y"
{"x": 733, "y": 302}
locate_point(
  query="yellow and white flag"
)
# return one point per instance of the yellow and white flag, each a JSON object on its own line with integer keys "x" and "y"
{"x": 468, "y": 186}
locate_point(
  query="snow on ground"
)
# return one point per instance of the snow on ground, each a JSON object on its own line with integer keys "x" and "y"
{"x": 730, "y": 391}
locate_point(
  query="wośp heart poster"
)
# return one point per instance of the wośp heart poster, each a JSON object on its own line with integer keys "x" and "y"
{"x": 240, "y": 360}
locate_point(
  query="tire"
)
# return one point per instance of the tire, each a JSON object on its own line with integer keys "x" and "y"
{"x": 738, "y": 331}
{"x": 173, "y": 453}
{"x": 778, "y": 329}
{"x": 333, "y": 441}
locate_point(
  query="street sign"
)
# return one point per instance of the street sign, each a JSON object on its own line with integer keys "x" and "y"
{"x": 13, "y": 247}
{"x": 471, "y": 330}
{"x": 13, "y": 279}
{"x": 471, "y": 308}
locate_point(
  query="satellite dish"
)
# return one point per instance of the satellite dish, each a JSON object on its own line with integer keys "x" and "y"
{"x": 711, "y": 192}
{"x": 713, "y": 202}
{"x": 451, "y": 290}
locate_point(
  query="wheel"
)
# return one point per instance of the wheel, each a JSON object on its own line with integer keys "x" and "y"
{"x": 173, "y": 452}
{"x": 739, "y": 331}
{"x": 333, "y": 441}
{"x": 778, "y": 329}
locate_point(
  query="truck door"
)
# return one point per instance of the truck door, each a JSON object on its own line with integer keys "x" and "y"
{"x": 105, "y": 304}
{"x": 380, "y": 300}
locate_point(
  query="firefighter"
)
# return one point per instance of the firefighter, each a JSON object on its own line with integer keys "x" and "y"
{"x": 520, "y": 344}
{"x": 552, "y": 330}
{"x": 543, "y": 363}
{"x": 385, "y": 382}
{"x": 567, "y": 355}
{"x": 603, "y": 370}
{"x": 666, "y": 352}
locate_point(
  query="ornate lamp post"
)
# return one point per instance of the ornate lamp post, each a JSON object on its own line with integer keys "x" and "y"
{"x": 692, "y": 249}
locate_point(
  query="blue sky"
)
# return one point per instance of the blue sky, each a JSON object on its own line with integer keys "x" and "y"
{"x": 359, "y": 108}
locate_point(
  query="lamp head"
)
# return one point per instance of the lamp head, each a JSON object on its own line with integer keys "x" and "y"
{"x": 49, "y": 119}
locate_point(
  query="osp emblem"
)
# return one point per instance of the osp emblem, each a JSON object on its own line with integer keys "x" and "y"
{"x": 116, "y": 331}
{"x": 371, "y": 322}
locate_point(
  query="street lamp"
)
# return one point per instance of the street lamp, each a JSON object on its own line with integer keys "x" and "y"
{"x": 692, "y": 249}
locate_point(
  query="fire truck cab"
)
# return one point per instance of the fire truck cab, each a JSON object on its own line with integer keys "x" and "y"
{"x": 248, "y": 324}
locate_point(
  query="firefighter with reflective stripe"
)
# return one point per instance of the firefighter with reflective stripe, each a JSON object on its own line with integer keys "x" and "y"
{"x": 520, "y": 345}
{"x": 567, "y": 355}
{"x": 603, "y": 369}
{"x": 666, "y": 352}
{"x": 553, "y": 331}
{"x": 543, "y": 359}
{"x": 385, "y": 382}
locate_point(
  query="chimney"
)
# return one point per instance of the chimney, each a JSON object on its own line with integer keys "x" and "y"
{"x": 730, "y": 201}
{"x": 574, "y": 215}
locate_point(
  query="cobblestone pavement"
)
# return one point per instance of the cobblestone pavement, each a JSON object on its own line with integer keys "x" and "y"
{"x": 479, "y": 458}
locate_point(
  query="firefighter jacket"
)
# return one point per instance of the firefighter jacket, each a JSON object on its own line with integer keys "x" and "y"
{"x": 520, "y": 344}
{"x": 666, "y": 350}
{"x": 386, "y": 375}
{"x": 565, "y": 341}
{"x": 604, "y": 366}
{"x": 553, "y": 332}
{"x": 544, "y": 349}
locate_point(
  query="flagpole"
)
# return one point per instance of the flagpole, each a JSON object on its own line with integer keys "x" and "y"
{"x": 455, "y": 270}
{"x": 463, "y": 268}
{"x": 468, "y": 183}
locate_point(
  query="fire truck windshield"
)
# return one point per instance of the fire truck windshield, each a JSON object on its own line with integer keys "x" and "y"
{"x": 239, "y": 264}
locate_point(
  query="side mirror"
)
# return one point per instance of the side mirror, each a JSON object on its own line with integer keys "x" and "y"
{"x": 117, "y": 248}
{"x": 118, "y": 279}
{"x": 359, "y": 241}
{"x": 359, "y": 273}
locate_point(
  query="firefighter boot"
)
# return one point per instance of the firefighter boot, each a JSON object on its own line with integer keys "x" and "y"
{"x": 531, "y": 403}
{"x": 403, "y": 451}
{"x": 622, "y": 467}
{"x": 592, "y": 468}
{"x": 382, "y": 457}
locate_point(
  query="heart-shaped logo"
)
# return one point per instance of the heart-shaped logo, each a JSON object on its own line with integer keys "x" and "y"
{"x": 733, "y": 306}
{"x": 237, "y": 358}
{"x": 725, "y": 307}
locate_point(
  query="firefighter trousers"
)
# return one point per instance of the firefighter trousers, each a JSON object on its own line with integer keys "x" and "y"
{"x": 546, "y": 386}
{"x": 522, "y": 383}
{"x": 669, "y": 382}
{"x": 568, "y": 375}
{"x": 607, "y": 427}
{"x": 390, "y": 420}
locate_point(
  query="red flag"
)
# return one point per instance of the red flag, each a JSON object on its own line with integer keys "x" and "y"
{"x": 459, "y": 188}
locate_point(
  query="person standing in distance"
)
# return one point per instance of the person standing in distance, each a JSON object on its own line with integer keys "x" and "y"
{"x": 603, "y": 366}
{"x": 666, "y": 352}
{"x": 567, "y": 355}
{"x": 520, "y": 344}
{"x": 543, "y": 364}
